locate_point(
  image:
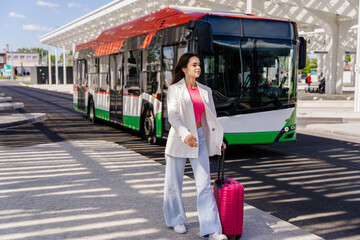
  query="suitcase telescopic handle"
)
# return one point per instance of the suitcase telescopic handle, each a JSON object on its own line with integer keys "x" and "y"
{"x": 221, "y": 166}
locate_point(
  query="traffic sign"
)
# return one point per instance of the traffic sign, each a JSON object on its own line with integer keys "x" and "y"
{"x": 7, "y": 68}
{"x": 323, "y": 52}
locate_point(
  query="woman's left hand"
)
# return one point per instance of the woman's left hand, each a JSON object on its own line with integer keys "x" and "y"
{"x": 223, "y": 146}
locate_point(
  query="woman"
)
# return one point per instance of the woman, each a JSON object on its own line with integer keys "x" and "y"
{"x": 196, "y": 134}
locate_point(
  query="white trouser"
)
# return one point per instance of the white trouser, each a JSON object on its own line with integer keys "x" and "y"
{"x": 174, "y": 211}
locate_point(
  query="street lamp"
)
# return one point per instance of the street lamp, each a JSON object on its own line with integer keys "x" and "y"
{"x": 12, "y": 65}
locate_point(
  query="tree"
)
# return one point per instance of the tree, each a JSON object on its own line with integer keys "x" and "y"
{"x": 52, "y": 60}
{"x": 69, "y": 58}
{"x": 23, "y": 50}
{"x": 43, "y": 52}
{"x": 310, "y": 64}
{"x": 39, "y": 50}
{"x": 347, "y": 58}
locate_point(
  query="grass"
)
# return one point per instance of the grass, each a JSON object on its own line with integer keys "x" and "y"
{"x": 27, "y": 83}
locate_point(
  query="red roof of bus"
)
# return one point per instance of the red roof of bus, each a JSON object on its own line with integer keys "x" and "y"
{"x": 164, "y": 18}
{"x": 111, "y": 40}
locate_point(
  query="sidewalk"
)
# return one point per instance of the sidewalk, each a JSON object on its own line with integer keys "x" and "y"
{"x": 101, "y": 190}
{"x": 322, "y": 108}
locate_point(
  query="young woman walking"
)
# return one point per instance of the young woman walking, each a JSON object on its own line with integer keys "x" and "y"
{"x": 196, "y": 134}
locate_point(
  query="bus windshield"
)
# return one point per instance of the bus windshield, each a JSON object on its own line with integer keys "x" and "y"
{"x": 250, "y": 74}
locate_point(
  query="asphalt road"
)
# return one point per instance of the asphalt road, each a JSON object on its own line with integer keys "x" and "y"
{"x": 313, "y": 183}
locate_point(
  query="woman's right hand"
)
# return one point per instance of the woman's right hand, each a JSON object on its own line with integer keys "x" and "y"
{"x": 191, "y": 140}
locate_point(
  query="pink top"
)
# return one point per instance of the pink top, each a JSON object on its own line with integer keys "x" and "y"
{"x": 198, "y": 103}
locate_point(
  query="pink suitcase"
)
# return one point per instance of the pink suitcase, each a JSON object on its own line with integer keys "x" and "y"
{"x": 229, "y": 196}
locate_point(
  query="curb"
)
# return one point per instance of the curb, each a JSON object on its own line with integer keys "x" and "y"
{"x": 11, "y": 105}
{"x": 55, "y": 88}
{"x": 345, "y": 129}
{"x": 5, "y": 99}
{"x": 17, "y": 120}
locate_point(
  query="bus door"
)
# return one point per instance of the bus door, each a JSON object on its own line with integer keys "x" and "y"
{"x": 170, "y": 55}
{"x": 167, "y": 59}
{"x": 116, "y": 88}
{"x": 82, "y": 83}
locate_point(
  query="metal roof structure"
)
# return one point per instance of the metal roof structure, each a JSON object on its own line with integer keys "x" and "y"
{"x": 309, "y": 14}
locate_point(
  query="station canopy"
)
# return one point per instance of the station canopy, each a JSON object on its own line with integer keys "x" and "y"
{"x": 314, "y": 18}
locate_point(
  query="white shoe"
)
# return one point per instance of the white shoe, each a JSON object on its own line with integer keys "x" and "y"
{"x": 180, "y": 228}
{"x": 217, "y": 236}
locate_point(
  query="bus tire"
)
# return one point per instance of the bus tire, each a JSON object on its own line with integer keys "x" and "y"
{"x": 92, "y": 112}
{"x": 149, "y": 126}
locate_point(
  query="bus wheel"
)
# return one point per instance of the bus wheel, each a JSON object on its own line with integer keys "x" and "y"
{"x": 149, "y": 126}
{"x": 91, "y": 112}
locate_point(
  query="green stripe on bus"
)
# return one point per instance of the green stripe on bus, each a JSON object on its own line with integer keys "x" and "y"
{"x": 251, "y": 138}
{"x": 158, "y": 118}
{"x": 291, "y": 120}
{"x": 132, "y": 122}
{"x": 75, "y": 106}
{"x": 102, "y": 114}
{"x": 291, "y": 135}
{"x": 288, "y": 137}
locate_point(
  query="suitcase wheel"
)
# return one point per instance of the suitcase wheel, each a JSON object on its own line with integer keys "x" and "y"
{"x": 237, "y": 237}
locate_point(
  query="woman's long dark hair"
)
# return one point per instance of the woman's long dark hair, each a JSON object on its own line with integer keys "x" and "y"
{"x": 182, "y": 63}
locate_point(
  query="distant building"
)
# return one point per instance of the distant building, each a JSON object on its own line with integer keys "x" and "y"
{"x": 2, "y": 63}
{"x": 22, "y": 61}
{"x": 2, "y": 60}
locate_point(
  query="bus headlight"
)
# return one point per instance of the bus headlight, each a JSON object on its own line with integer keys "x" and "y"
{"x": 286, "y": 129}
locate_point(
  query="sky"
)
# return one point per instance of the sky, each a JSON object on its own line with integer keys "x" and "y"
{"x": 22, "y": 22}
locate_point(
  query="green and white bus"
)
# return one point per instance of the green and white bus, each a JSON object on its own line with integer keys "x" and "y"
{"x": 250, "y": 63}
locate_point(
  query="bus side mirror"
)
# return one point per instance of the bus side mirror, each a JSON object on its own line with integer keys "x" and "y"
{"x": 202, "y": 31}
{"x": 302, "y": 53}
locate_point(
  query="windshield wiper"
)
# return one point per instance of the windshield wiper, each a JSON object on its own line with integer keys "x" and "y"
{"x": 276, "y": 99}
{"x": 237, "y": 101}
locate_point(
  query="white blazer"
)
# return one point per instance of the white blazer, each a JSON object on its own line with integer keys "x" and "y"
{"x": 182, "y": 119}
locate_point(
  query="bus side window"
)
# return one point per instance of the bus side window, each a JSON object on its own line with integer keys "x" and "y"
{"x": 168, "y": 59}
{"x": 104, "y": 72}
{"x": 120, "y": 72}
{"x": 84, "y": 73}
{"x": 132, "y": 79}
{"x": 93, "y": 72}
{"x": 112, "y": 68}
{"x": 150, "y": 78}
{"x": 143, "y": 73}
{"x": 168, "y": 64}
{"x": 78, "y": 79}
{"x": 96, "y": 65}
{"x": 181, "y": 49}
